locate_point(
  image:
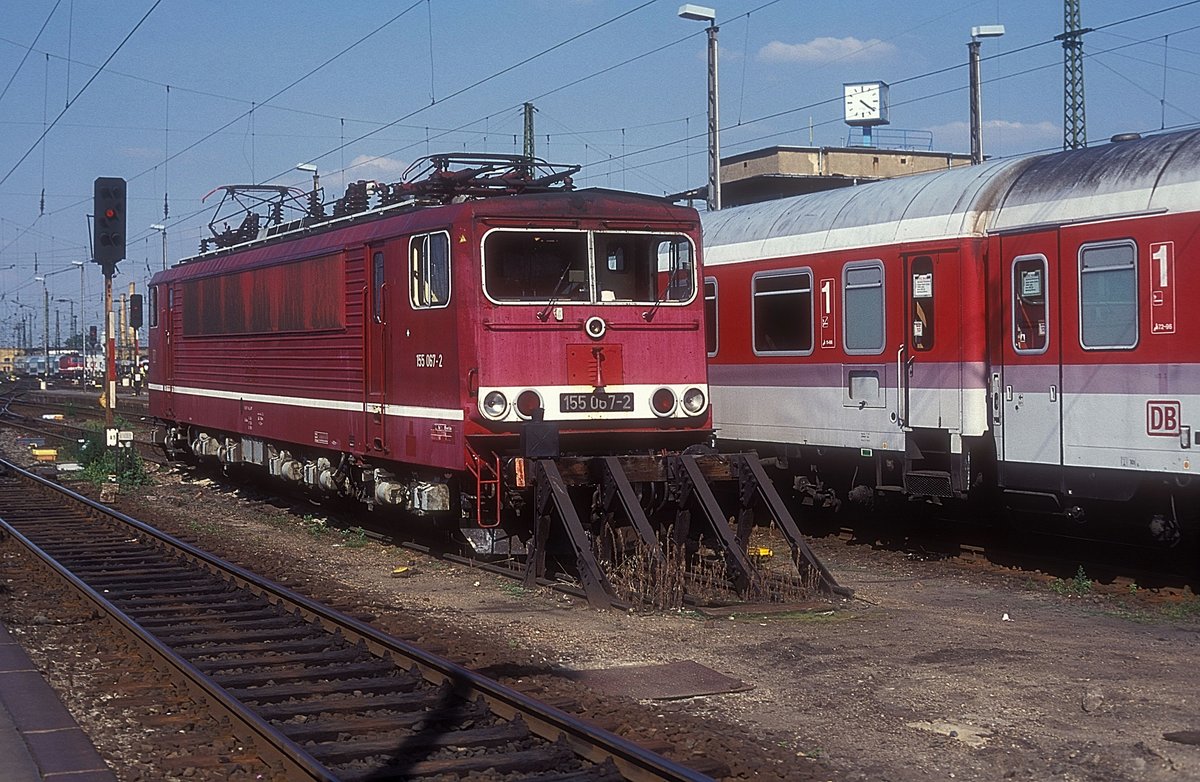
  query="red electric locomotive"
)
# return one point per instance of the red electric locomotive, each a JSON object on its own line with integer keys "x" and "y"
{"x": 485, "y": 348}
{"x": 1018, "y": 328}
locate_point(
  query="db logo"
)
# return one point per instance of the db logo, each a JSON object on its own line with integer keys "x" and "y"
{"x": 1162, "y": 418}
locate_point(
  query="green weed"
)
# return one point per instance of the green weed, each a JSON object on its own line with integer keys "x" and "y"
{"x": 355, "y": 537}
{"x": 314, "y": 526}
{"x": 1077, "y": 586}
{"x": 99, "y": 461}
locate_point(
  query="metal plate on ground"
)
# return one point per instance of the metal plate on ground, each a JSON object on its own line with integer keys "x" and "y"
{"x": 669, "y": 681}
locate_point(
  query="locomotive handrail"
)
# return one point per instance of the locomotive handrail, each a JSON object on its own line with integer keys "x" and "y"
{"x": 901, "y": 387}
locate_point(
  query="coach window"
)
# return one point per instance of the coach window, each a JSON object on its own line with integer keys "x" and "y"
{"x": 1108, "y": 295}
{"x": 862, "y": 308}
{"x": 921, "y": 280}
{"x": 377, "y": 281}
{"x": 430, "y": 270}
{"x": 1030, "y": 328}
{"x": 710, "y": 315}
{"x": 153, "y": 306}
{"x": 783, "y": 312}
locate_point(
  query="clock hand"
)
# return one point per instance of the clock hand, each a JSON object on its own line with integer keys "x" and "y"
{"x": 868, "y": 105}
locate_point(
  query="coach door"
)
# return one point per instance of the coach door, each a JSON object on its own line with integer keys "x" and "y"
{"x": 1027, "y": 386}
{"x": 375, "y": 390}
{"x": 928, "y": 360}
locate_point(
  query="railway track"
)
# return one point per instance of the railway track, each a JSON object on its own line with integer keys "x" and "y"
{"x": 63, "y": 431}
{"x": 321, "y": 695}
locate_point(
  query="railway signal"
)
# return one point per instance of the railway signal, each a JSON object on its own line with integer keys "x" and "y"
{"x": 109, "y": 231}
{"x": 109, "y": 250}
{"x": 135, "y": 311}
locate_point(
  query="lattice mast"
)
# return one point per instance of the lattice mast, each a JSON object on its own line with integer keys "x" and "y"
{"x": 529, "y": 109}
{"x": 1074, "y": 114}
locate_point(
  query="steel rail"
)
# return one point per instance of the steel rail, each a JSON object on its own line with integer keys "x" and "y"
{"x": 587, "y": 741}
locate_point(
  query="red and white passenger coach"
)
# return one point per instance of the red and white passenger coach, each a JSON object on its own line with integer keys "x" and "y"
{"x": 1019, "y": 327}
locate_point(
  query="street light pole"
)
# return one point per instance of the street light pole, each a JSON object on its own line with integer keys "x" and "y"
{"x": 315, "y": 208}
{"x": 701, "y": 13}
{"x": 983, "y": 31}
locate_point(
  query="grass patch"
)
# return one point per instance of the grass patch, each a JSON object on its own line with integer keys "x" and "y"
{"x": 102, "y": 464}
{"x": 513, "y": 589}
{"x": 1185, "y": 610}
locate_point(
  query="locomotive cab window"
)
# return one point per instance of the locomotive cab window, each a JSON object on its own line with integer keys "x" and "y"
{"x": 1108, "y": 304}
{"x": 862, "y": 308}
{"x": 710, "y": 316}
{"x": 430, "y": 286}
{"x": 783, "y": 312}
{"x": 153, "y": 306}
{"x": 1030, "y": 327}
{"x": 604, "y": 267}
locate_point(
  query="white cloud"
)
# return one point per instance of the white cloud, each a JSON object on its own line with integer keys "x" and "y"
{"x": 1000, "y": 136}
{"x": 380, "y": 169}
{"x": 849, "y": 49}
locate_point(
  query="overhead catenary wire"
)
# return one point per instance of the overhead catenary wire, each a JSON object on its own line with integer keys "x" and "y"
{"x": 82, "y": 89}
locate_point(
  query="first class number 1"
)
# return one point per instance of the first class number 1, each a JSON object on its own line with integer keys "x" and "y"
{"x": 429, "y": 360}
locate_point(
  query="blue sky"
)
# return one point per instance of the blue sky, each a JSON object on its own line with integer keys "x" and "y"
{"x": 237, "y": 92}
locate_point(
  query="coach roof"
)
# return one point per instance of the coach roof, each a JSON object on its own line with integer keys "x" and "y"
{"x": 1160, "y": 172}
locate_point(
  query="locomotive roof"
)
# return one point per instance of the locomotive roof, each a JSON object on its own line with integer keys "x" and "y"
{"x": 361, "y": 228}
{"x": 1155, "y": 173}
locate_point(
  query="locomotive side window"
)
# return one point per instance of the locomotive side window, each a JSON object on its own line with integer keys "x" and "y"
{"x": 1030, "y": 327}
{"x": 377, "y": 280}
{"x": 1108, "y": 305}
{"x": 153, "y": 306}
{"x": 921, "y": 317}
{"x": 710, "y": 315}
{"x": 430, "y": 270}
{"x": 783, "y": 312}
{"x": 862, "y": 307}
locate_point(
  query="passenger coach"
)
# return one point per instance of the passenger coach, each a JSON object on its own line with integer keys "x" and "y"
{"x": 1019, "y": 326}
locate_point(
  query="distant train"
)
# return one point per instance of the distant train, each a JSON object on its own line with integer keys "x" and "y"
{"x": 63, "y": 364}
{"x": 1015, "y": 332}
{"x": 485, "y": 348}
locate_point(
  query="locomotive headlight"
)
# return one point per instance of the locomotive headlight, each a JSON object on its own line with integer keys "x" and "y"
{"x": 663, "y": 401}
{"x": 528, "y": 402}
{"x": 495, "y": 404}
{"x": 693, "y": 401}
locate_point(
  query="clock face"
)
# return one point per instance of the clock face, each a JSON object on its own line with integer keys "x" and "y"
{"x": 866, "y": 104}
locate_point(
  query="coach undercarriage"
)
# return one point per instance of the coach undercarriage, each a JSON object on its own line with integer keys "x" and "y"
{"x": 594, "y": 514}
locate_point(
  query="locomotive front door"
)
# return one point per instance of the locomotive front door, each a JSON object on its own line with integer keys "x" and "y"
{"x": 375, "y": 350}
{"x": 1026, "y": 387}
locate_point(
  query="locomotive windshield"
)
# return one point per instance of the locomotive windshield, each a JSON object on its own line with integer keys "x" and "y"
{"x": 588, "y": 266}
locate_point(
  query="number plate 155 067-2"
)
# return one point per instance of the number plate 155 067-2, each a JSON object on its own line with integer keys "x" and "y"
{"x": 596, "y": 403}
